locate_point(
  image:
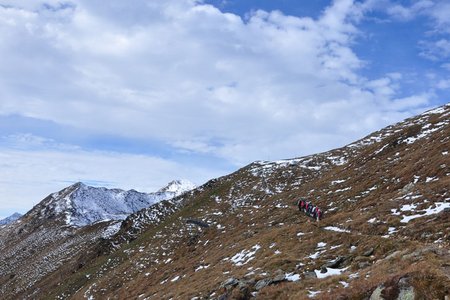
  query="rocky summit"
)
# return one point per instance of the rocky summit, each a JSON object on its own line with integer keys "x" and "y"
{"x": 384, "y": 233}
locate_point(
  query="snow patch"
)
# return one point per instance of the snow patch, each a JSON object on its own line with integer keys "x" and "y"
{"x": 329, "y": 272}
{"x": 312, "y": 294}
{"x": 111, "y": 230}
{"x": 321, "y": 244}
{"x": 245, "y": 256}
{"x": 292, "y": 277}
{"x": 337, "y": 229}
{"x": 439, "y": 206}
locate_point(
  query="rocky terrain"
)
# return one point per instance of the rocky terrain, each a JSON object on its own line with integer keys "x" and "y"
{"x": 62, "y": 226}
{"x": 384, "y": 235}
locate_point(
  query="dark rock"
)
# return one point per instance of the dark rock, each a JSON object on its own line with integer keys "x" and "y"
{"x": 223, "y": 297}
{"x": 363, "y": 264}
{"x": 369, "y": 252}
{"x": 193, "y": 239}
{"x": 323, "y": 269}
{"x": 197, "y": 222}
{"x": 249, "y": 233}
{"x": 229, "y": 283}
{"x": 250, "y": 281}
{"x": 262, "y": 283}
{"x": 335, "y": 263}
{"x": 310, "y": 274}
{"x": 278, "y": 276}
{"x": 242, "y": 285}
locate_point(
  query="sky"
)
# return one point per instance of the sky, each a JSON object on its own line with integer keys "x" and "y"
{"x": 133, "y": 94}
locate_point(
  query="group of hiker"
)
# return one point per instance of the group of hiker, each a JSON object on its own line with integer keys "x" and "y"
{"x": 309, "y": 209}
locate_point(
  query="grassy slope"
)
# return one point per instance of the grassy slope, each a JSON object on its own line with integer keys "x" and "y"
{"x": 254, "y": 206}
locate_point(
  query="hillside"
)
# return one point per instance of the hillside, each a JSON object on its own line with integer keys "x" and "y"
{"x": 62, "y": 226}
{"x": 384, "y": 234}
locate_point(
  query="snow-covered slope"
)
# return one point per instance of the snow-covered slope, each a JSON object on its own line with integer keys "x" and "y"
{"x": 177, "y": 187}
{"x": 83, "y": 205}
{"x": 10, "y": 219}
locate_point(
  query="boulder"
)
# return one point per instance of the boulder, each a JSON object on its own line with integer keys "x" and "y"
{"x": 262, "y": 283}
{"x": 368, "y": 252}
{"x": 278, "y": 276}
{"x": 229, "y": 283}
{"x": 335, "y": 263}
{"x": 399, "y": 290}
{"x": 408, "y": 188}
{"x": 361, "y": 259}
{"x": 376, "y": 294}
{"x": 406, "y": 290}
{"x": 394, "y": 254}
{"x": 309, "y": 274}
{"x": 363, "y": 264}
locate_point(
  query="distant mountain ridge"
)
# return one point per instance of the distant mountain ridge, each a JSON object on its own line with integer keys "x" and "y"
{"x": 83, "y": 205}
{"x": 10, "y": 219}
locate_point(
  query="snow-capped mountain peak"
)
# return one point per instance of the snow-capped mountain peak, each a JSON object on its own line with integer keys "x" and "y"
{"x": 10, "y": 219}
{"x": 80, "y": 205}
{"x": 178, "y": 187}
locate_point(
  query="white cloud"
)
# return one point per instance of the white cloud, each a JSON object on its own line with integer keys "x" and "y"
{"x": 411, "y": 101}
{"x": 443, "y": 84}
{"x": 192, "y": 76}
{"x": 406, "y": 13}
{"x": 435, "y": 50}
{"x": 440, "y": 12}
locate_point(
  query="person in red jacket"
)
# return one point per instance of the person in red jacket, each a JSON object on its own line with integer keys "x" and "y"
{"x": 301, "y": 204}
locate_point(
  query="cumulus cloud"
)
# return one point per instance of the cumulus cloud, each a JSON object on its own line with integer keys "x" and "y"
{"x": 406, "y": 13}
{"x": 436, "y": 50}
{"x": 188, "y": 74}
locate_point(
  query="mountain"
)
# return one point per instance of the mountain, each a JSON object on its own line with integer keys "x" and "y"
{"x": 62, "y": 226}
{"x": 384, "y": 234}
{"x": 83, "y": 205}
{"x": 10, "y": 219}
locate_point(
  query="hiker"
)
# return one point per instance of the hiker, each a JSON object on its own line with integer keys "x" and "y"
{"x": 316, "y": 212}
{"x": 319, "y": 214}
{"x": 310, "y": 209}
{"x": 301, "y": 204}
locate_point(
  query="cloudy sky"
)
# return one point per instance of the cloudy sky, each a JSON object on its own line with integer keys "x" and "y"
{"x": 133, "y": 94}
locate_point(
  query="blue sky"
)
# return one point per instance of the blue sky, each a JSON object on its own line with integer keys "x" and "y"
{"x": 135, "y": 94}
